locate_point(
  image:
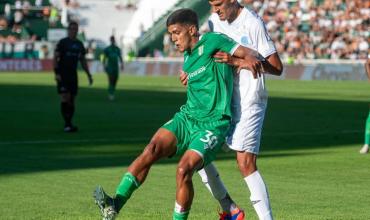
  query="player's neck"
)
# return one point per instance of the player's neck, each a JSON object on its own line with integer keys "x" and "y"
{"x": 235, "y": 13}
{"x": 194, "y": 41}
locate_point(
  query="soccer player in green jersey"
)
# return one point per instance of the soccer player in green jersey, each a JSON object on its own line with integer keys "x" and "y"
{"x": 198, "y": 130}
{"x": 365, "y": 148}
{"x": 112, "y": 61}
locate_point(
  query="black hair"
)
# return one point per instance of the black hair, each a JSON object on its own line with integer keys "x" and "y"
{"x": 183, "y": 16}
{"x": 72, "y": 23}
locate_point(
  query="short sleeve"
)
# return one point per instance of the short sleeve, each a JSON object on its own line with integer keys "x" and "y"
{"x": 265, "y": 45}
{"x": 219, "y": 41}
{"x": 212, "y": 22}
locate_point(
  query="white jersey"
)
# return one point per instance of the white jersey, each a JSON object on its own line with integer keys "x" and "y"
{"x": 249, "y": 30}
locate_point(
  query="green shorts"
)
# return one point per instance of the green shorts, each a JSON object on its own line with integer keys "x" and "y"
{"x": 112, "y": 71}
{"x": 205, "y": 138}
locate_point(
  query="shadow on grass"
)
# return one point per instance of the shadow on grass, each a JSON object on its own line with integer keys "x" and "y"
{"x": 113, "y": 133}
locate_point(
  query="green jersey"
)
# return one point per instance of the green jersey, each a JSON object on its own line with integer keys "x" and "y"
{"x": 210, "y": 84}
{"x": 112, "y": 55}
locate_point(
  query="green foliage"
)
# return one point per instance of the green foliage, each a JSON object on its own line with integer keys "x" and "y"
{"x": 309, "y": 154}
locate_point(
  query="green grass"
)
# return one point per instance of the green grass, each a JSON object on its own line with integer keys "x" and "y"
{"x": 309, "y": 154}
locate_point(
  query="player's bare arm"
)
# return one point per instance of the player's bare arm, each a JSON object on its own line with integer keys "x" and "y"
{"x": 243, "y": 58}
{"x": 85, "y": 67}
{"x": 56, "y": 59}
{"x": 121, "y": 61}
{"x": 272, "y": 64}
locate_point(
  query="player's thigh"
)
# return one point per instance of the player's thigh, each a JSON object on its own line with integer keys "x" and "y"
{"x": 114, "y": 78}
{"x": 189, "y": 162}
{"x": 68, "y": 86}
{"x": 112, "y": 74}
{"x": 208, "y": 139}
{"x": 179, "y": 126}
{"x": 65, "y": 92}
{"x": 162, "y": 144}
{"x": 245, "y": 134}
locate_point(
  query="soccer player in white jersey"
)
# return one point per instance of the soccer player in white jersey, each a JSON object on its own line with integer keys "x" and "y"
{"x": 249, "y": 105}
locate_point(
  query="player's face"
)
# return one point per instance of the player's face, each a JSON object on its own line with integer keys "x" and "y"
{"x": 72, "y": 31}
{"x": 181, "y": 35}
{"x": 223, "y": 8}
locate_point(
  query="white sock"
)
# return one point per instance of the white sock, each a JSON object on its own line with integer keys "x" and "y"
{"x": 212, "y": 181}
{"x": 179, "y": 209}
{"x": 259, "y": 196}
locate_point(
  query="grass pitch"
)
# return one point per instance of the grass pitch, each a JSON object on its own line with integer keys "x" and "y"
{"x": 309, "y": 153}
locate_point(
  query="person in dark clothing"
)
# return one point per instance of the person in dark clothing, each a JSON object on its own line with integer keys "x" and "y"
{"x": 69, "y": 51}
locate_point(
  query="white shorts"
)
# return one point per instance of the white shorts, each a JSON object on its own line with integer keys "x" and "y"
{"x": 245, "y": 131}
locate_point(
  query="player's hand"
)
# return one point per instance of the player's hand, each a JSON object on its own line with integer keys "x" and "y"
{"x": 58, "y": 77}
{"x": 183, "y": 78}
{"x": 252, "y": 64}
{"x": 222, "y": 57}
{"x": 89, "y": 77}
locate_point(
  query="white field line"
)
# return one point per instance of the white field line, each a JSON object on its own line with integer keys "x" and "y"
{"x": 107, "y": 140}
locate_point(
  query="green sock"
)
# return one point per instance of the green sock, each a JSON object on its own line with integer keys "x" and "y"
{"x": 367, "y": 130}
{"x": 125, "y": 189}
{"x": 111, "y": 90}
{"x": 180, "y": 216}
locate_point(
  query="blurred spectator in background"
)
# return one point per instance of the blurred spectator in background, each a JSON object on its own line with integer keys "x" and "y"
{"x": 166, "y": 44}
{"x": 18, "y": 4}
{"x": 26, "y": 7}
{"x": 316, "y": 29}
{"x": 54, "y": 16}
{"x": 18, "y": 16}
{"x": 38, "y": 3}
{"x": 29, "y": 42}
{"x": 125, "y": 4}
{"x": 3, "y": 27}
{"x": 44, "y": 52}
{"x": 157, "y": 53}
{"x": 335, "y": 29}
{"x": 7, "y": 38}
{"x": 8, "y": 12}
{"x": 46, "y": 13}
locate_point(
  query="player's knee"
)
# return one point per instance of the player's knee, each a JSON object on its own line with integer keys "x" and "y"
{"x": 247, "y": 165}
{"x": 184, "y": 172}
{"x": 66, "y": 97}
{"x": 159, "y": 147}
{"x": 152, "y": 150}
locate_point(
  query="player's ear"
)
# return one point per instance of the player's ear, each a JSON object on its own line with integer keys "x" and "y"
{"x": 193, "y": 30}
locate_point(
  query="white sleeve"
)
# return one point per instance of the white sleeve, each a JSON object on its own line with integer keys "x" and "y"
{"x": 265, "y": 45}
{"x": 212, "y": 22}
{"x": 234, "y": 49}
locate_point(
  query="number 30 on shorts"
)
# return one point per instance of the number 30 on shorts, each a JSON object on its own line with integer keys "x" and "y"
{"x": 210, "y": 140}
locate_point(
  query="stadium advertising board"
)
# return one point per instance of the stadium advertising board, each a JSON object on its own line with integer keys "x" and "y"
{"x": 25, "y": 65}
{"x": 304, "y": 71}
